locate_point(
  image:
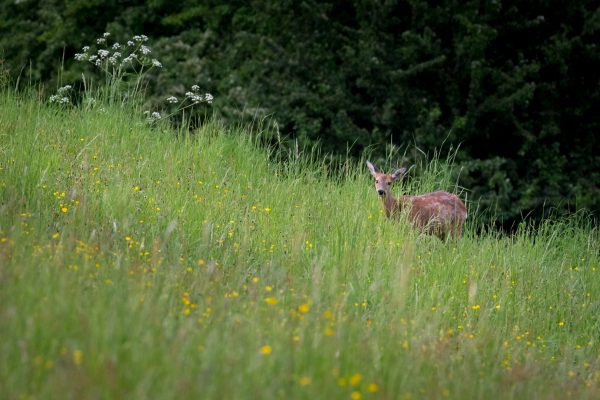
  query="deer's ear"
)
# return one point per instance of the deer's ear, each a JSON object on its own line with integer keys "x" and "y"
{"x": 374, "y": 170}
{"x": 398, "y": 173}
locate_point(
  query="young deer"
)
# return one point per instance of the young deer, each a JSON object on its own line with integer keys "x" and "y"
{"x": 438, "y": 213}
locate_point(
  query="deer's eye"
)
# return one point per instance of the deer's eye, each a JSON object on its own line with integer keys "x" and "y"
{"x": 389, "y": 183}
{"x": 376, "y": 180}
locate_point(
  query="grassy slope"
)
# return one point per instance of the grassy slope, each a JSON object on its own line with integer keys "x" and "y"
{"x": 135, "y": 264}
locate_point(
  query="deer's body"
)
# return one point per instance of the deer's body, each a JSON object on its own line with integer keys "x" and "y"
{"x": 438, "y": 213}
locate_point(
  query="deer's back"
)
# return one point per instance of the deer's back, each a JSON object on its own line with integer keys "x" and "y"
{"x": 437, "y": 208}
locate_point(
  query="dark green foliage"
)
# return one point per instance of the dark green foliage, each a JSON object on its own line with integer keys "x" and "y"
{"x": 515, "y": 84}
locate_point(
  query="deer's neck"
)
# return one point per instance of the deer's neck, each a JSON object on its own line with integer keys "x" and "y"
{"x": 390, "y": 205}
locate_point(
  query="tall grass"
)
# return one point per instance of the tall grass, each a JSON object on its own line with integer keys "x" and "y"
{"x": 137, "y": 263}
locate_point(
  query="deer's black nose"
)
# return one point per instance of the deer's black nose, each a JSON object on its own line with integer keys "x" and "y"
{"x": 381, "y": 192}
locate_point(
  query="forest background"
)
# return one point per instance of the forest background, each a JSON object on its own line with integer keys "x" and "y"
{"x": 514, "y": 86}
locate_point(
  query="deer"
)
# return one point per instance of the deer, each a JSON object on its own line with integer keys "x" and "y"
{"x": 437, "y": 213}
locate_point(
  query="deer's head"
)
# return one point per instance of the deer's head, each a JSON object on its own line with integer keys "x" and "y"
{"x": 383, "y": 182}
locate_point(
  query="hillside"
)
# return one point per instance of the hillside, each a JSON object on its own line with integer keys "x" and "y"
{"x": 138, "y": 262}
{"x": 514, "y": 85}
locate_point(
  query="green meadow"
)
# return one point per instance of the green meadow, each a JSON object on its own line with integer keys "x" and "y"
{"x": 140, "y": 262}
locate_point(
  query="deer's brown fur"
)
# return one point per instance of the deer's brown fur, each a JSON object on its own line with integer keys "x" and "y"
{"x": 438, "y": 213}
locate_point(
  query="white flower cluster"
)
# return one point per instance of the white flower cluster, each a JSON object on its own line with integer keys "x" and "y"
{"x": 60, "y": 96}
{"x": 152, "y": 117}
{"x": 193, "y": 96}
{"x": 197, "y": 97}
{"x": 102, "y": 40}
{"x": 138, "y": 53}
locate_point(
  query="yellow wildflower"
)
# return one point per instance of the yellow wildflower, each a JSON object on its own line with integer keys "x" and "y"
{"x": 304, "y": 308}
{"x": 355, "y": 379}
{"x": 305, "y": 380}
{"x": 271, "y": 300}
{"x": 77, "y": 357}
{"x": 373, "y": 388}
